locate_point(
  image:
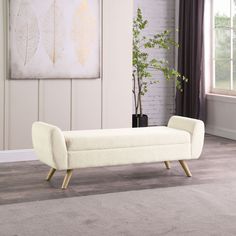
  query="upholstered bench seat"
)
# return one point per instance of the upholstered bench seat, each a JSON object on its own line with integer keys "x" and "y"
{"x": 124, "y": 138}
{"x": 181, "y": 140}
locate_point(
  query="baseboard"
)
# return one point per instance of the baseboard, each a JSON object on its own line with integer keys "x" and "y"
{"x": 222, "y": 132}
{"x": 17, "y": 155}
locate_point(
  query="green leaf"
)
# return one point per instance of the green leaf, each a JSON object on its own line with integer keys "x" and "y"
{"x": 143, "y": 65}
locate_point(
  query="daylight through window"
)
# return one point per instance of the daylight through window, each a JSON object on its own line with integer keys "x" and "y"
{"x": 224, "y": 46}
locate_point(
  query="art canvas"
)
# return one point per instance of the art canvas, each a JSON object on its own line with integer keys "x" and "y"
{"x": 54, "y": 39}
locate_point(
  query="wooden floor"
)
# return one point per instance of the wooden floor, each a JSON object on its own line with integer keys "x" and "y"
{"x": 24, "y": 181}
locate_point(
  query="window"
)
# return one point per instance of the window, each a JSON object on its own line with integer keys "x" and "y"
{"x": 224, "y": 47}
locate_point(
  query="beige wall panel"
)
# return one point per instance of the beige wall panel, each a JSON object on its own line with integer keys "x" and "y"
{"x": 117, "y": 63}
{"x": 86, "y": 104}
{"x": 2, "y": 77}
{"x": 22, "y": 110}
{"x": 91, "y": 104}
{"x": 54, "y": 102}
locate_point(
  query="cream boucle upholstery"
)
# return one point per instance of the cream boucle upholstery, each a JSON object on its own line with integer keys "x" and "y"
{"x": 196, "y": 130}
{"x": 182, "y": 139}
{"x": 123, "y": 138}
{"x": 49, "y": 145}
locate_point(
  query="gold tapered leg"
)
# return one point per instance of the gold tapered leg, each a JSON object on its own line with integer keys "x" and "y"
{"x": 50, "y": 174}
{"x": 167, "y": 164}
{"x": 66, "y": 179}
{"x": 185, "y": 167}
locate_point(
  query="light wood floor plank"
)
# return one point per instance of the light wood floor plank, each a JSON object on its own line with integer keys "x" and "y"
{"x": 24, "y": 181}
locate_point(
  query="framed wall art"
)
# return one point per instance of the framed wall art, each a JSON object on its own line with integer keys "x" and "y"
{"x": 54, "y": 39}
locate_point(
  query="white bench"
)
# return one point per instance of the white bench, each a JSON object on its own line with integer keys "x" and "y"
{"x": 181, "y": 140}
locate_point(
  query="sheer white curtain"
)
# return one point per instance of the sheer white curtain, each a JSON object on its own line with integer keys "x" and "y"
{"x": 208, "y": 44}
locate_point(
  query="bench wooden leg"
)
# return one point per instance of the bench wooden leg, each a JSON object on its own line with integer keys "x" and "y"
{"x": 185, "y": 167}
{"x": 50, "y": 174}
{"x": 167, "y": 164}
{"x": 67, "y": 179}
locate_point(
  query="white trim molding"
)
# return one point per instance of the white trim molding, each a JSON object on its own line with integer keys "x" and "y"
{"x": 222, "y": 132}
{"x": 17, "y": 155}
{"x": 221, "y": 98}
{"x": 221, "y": 111}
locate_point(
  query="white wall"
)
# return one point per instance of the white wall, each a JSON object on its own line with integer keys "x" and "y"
{"x": 221, "y": 116}
{"x": 117, "y": 59}
{"x": 2, "y": 76}
{"x": 71, "y": 104}
{"x": 159, "y": 102}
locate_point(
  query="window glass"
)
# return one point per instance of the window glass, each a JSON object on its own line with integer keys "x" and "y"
{"x": 222, "y": 13}
{"x": 222, "y": 43}
{"x": 222, "y": 74}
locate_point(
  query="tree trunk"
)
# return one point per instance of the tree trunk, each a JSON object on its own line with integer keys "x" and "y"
{"x": 140, "y": 96}
{"x": 134, "y": 92}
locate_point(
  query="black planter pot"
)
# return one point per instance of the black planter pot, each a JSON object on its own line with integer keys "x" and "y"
{"x": 139, "y": 121}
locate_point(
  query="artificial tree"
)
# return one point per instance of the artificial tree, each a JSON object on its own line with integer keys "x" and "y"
{"x": 142, "y": 63}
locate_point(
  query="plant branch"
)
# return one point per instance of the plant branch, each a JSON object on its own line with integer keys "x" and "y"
{"x": 142, "y": 63}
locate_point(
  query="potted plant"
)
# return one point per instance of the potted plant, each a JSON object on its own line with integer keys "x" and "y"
{"x": 142, "y": 63}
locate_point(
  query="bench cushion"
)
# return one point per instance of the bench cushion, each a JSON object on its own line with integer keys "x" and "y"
{"x": 124, "y": 138}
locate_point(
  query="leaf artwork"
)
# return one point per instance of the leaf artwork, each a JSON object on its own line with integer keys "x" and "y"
{"x": 26, "y": 32}
{"x": 53, "y": 32}
{"x": 54, "y": 39}
{"x": 83, "y": 31}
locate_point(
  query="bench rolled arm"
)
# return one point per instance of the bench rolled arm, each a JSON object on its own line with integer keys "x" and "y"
{"x": 195, "y": 127}
{"x": 49, "y": 145}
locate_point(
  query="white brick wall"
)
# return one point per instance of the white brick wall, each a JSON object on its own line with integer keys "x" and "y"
{"x": 158, "y": 102}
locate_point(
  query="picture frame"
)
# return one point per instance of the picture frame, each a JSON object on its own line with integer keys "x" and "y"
{"x": 54, "y": 39}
